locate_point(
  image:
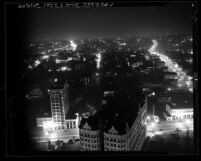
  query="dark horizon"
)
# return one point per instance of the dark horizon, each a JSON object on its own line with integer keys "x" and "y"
{"x": 75, "y": 23}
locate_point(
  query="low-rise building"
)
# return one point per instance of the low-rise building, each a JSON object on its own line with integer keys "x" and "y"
{"x": 72, "y": 123}
{"x": 47, "y": 123}
{"x": 42, "y": 121}
{"x": 177, "y": 112}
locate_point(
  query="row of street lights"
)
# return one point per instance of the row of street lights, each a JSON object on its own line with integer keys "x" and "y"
{"x": 183, "y": 79}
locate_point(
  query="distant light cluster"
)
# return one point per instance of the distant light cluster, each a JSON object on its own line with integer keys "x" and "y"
{"x": 45, "y": 57}
{"x": 98, "y": 60}
{"x": 73, "y": 45}
{"x": 64, "y": 68}
{"x": 36, "y": 63}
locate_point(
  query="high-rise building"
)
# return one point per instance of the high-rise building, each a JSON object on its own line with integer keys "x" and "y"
{"x": 59, "y": 101}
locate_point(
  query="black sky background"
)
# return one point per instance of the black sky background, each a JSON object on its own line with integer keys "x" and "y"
{"x": 77, "y": 23}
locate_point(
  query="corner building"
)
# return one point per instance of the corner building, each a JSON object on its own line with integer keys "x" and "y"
{"x": 90, "y": 135}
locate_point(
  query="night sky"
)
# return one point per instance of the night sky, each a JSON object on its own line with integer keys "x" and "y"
{"x": 76, "y": 23}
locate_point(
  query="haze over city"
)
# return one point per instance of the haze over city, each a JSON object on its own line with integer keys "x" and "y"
{"x": 74, "y": 23}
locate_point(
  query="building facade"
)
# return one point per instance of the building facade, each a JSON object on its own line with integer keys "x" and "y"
{"x": 137, "y": 133}
{"x": 42, "y": 121}
{"x": 73, "y": 123}
{"x": 113, "y": 141}
{"x": 59, "y": 102}
{"x": 89, "y": 139}
{"x": 173, "y": 113}
{"x": 86, "y": 81}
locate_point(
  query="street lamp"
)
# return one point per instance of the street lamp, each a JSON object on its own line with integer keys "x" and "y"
{"x": 153, "y": 124}
{"x": 179, "y": 125}
{"x": 191, "y": 89}
{"x": 169, "y": 89}
{"x": 46, "y": 133}
{"x": 188, "y": 121}
{"x": 52, "y": 136}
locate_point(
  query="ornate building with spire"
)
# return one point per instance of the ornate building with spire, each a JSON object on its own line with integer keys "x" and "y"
{"x": 118, "y": 132}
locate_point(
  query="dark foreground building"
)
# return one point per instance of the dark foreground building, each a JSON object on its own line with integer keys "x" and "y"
{"x": 115, "y": 129}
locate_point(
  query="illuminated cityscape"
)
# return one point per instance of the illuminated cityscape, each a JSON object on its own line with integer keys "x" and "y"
{"x": 102, "y": 80}
{"x": 183, "y": 79}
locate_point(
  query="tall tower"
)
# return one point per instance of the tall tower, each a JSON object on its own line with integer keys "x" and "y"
{"x": 59, "y": 101}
